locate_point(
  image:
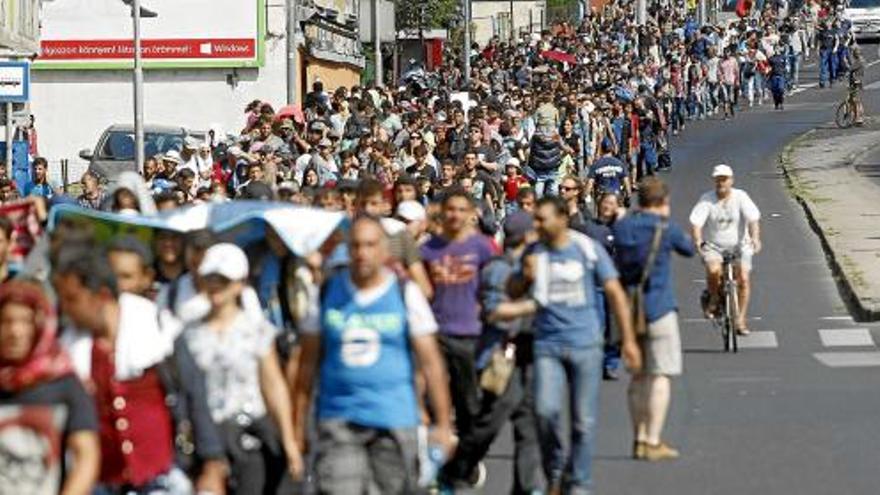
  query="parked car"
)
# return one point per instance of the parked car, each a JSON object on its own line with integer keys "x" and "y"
{"x": 114, "y": 152}
{"x": 865, "y": 18}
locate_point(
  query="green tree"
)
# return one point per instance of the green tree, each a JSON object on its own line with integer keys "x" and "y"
{"x": 413, "y": 15}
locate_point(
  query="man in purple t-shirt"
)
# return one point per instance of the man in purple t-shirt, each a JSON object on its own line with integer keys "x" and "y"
{"x": 454, "y": 261}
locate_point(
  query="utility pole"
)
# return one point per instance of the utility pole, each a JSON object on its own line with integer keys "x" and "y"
{"x": 138, "y": 88}
{"x": 292, "y": 51}
{"x": 377, "y": 44}
{"x": 641, "y": 12}
{"x": 512, "y": 36}
{"x": 467, "y": 42}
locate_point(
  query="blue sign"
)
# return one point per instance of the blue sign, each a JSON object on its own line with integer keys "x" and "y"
{"x": 15, "y": 82}
{"x": 20, "y": 172}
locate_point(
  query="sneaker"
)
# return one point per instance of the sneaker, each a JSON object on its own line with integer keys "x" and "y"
{"x": 660, "y": 452}
{"x": 610, "y": 375}
{"x": 478, "y": 477}
{"x": 710, "y": 308}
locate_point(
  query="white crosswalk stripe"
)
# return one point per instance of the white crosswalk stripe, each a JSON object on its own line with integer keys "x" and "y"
{"x": 848, "y": 359}
{"x": 759, "y": 340}
{"x": 850, "y": 337}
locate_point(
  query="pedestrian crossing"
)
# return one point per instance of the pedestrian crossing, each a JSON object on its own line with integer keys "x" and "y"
{"x": 848, "y": 346}
{"x": 848, "y": 339}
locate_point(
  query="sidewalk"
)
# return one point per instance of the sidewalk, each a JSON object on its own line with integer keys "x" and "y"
{"x": 843, "y": 207}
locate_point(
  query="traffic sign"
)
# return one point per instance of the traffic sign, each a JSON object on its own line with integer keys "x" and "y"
{"x": 15, "y": 82}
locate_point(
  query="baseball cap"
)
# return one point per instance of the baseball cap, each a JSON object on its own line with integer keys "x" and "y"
{"x": 722, "y": 170}
{"x": 324, "y": 143}
{"x": 516, "y": 226}
{"x": 317, "y": 126}
{"x": 286, "y": 124}
{"x": 171, "y": 156}
{"x": 226, "y": 260}
{"x": 513, "y": 162}
{"x": 288, "y": 186}
{"x": 411, "y": 211}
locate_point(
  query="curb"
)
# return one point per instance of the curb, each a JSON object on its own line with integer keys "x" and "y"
{"x": 854, "y": 305}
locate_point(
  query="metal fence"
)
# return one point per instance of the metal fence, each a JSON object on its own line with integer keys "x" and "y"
{"x": 66, "y": 172}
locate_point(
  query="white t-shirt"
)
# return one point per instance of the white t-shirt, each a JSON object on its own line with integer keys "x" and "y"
{"x": 725, "y": 222}
{"x": 419, "y": 316}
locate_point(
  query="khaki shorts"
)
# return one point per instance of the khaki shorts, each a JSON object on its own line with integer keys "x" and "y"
{"x": 712, "y": 256}
{"x": 661, "y": 347}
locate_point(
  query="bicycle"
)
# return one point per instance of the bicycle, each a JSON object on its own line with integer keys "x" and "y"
{"x": 726, "y": 315}
{"x": 845, "y": 116}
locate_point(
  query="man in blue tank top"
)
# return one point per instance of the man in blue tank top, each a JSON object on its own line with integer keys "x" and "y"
{"x": 359, "y": 344}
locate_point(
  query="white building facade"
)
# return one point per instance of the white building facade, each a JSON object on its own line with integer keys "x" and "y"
{"x": 204, "y": 64}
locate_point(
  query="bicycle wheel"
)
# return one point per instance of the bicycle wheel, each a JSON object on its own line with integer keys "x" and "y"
{"x": 733, "y": 313}
{"x": 725, "y": 325}
{"x": 845, "y": 116}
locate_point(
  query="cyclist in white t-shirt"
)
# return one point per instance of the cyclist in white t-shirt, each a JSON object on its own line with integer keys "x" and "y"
{"x": 727, "y": 219}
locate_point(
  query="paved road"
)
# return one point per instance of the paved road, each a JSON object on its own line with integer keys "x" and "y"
{"x": 796, "y": 412}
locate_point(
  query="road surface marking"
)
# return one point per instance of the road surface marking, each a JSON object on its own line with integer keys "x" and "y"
{"x": 703, "y": 319}
{"x": 848, "y": 359}
{"x": 759, "y": 340}
{"x": 836, "y": 318}
{"x": 853, "y": 337}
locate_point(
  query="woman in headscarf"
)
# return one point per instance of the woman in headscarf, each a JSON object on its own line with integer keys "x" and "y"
{"x": 55, "y": 415}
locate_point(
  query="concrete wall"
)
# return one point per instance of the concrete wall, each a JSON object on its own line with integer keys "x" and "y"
{"x": 73, "y": 107}
{"x": 484, "y": 12}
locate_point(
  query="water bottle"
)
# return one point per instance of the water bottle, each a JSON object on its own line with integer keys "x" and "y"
{"x": 432, "y": 457}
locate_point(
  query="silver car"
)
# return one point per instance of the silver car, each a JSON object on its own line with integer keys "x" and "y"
{"x": 114, "y": 152}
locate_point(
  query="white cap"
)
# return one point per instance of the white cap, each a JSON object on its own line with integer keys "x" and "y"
{"x": 513, "y": 162}
{"x": 171, "y": 156}
{"x": 722, "y": 171}
{"x": 225, "y": 259}
{"x": 411, "y": 211}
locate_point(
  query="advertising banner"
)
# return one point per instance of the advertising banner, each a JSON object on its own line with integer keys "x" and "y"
{"x": 98, "y": 34}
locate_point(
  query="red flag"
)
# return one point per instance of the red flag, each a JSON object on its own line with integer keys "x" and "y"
{"x": 743, "y": 7}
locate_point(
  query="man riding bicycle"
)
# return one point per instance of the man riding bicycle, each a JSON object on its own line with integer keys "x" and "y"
{"x": 608, "y": 174}
{"x": 727, "y": 220}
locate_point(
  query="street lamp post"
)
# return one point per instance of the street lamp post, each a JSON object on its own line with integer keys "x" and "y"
{"x": 467, "y": 42}
{"x": 292, "y": 52}
{"x": 377, "y": 44}
{"x": 138, "y": 87}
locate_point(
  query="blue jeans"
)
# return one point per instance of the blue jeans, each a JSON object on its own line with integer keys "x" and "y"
{"x": 611, "y": 351}
{"x": 547, "y": 183}
{"x": 647, "y": 163}
{"x": 579, "y": 369}
{"x": 827, "y": 67}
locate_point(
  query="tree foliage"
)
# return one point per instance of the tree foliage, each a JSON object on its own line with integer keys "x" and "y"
{"x": 413, "y": 15}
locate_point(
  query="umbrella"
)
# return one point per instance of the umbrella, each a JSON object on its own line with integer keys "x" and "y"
{"x": 291, "y": 112}
{"x": 559, "y": 56}
{"x": 303, "y": 230}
